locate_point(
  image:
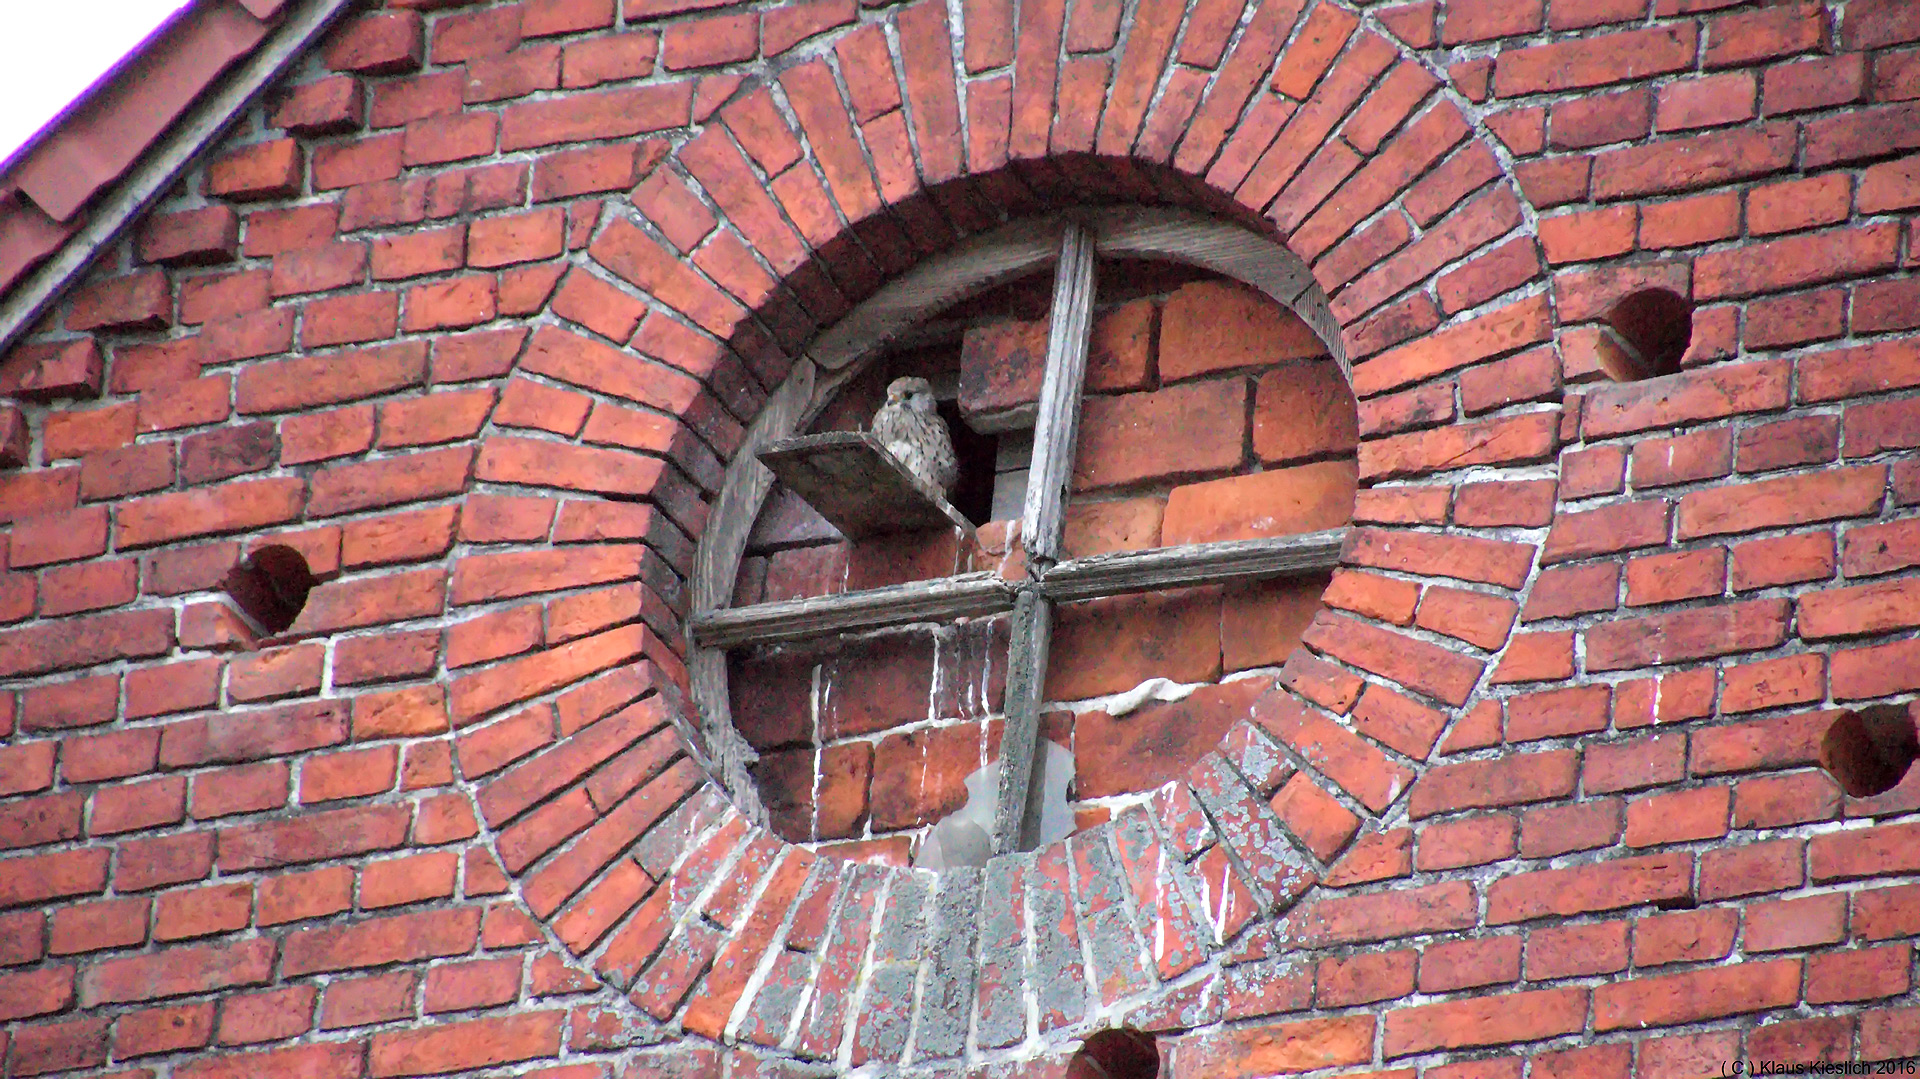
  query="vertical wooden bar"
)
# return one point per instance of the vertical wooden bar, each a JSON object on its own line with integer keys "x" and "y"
{"x": 1058, "y": 421}
{"x": 1016, "y": 813}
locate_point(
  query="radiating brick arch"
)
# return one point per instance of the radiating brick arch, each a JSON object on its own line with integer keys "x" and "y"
{"x": 756, "y": 235}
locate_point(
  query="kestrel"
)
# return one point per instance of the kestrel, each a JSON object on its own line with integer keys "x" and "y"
{"x": 911, "y": 429}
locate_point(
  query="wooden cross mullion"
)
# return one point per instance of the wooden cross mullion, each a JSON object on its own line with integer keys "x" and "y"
{"x": 1051, "y": 579}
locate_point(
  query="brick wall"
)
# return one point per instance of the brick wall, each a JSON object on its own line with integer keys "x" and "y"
{"x": 473, "y": 310}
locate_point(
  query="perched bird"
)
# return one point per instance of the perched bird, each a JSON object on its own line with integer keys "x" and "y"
{"x": 910, "y": 428}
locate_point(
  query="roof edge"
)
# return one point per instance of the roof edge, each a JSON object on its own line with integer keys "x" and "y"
{"x": 171, "y": 157}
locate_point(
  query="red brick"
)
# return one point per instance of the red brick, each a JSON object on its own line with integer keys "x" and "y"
{"x": 242, "y": 789}
{"x": 1363, "y": 979}
{"x": 1515, "y": 780}
{"x": 264, "y": 1017}
{"x": 1666, "y": 578}
{"x": 95, "y": 925}
{"x": 1605, "y": 531}
{"x": 1379, "y": 916}
{"x": 1866, "y": 974}
{"x": 1460, "y": 557}
{"x": 1782, "y": 560}
{"x": 1465, "y": 842}
{"x": 175, "y": 971}
{"x": 1691, "y": 997}
{"x": 477, "y": 1043}
{"x": 1508, "y": 440}
{"x": 264, "y": 170}
{"x": 1685, "y": 222}
{"x": 1419, "y": 666}
{"x": 451, "y": 304}
{"x": 1494, "y": 1020}
{"x": 1693, "y": 634}
{"x": 608, "y": 58}
{"x": 372, "y": 999}
{"x": 1315, "y": 817}
{"x": 1485, "y": 337}
{"x": 1813, "y": 84}
{"x": 502, "y": 241}
{"x": 1611, "y": 885}
{"x": 1751, "y": 869}
{"x": 1576, "y": 951}
{"x": 83, "y": 642}
{"x": 1595, "y": 60}
{"x": 602, "y": 115}
{"x": 1212, "y": 326}
{"x": 1687, "y": 458}
{"x": 1306, "y": 498}
{"x": 1795, "y": 923}
{"x": 290, "y": 897}
{"x": 475, "y": 34}
{"x": 1113, "y": 451}
{"x": 1469, "y": 963}
{"x": 271, "y": 231}
{"x": 1587, "y": 235}
{"x": 241, "y": 505}
{"x": 1532, "y": 375}
{"x": 1690, "y": 162}
{"x": 1477, "y": 618}
{"x": 197, "y": 912}
{"x": 1382, "y": 598}
{"x": 378, "y": 44}
{"x": 329, "y": 106}
{"x": 1781, "y": 502}
{"x": 1883, "y": 913}
{"x": 140, "y": 301}
{"x": 1782, "y": 30}
{"x": 161, "y": 1030}
{"x": 1677, "y": 816}
{"x": 1706, "y": 102}
{"x": 1268, "y": 1048}
{"x": 1564, "y": 591}
{"x": 1796, "y": 261}
{"x": 191, "y": 237}
{"x": 412, "y": 879}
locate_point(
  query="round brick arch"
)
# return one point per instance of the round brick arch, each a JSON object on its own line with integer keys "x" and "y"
{"x": 798, "y": 198}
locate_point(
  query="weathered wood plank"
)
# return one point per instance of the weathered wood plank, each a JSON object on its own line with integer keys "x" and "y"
{"x": 983, "y": 261}
{"x": 1124, "y": 572}
{"x": 971, "y": 595}
{"x": 717, "y": 559}
{"x": 856, "y": 484}
{"x": 1058, "y": 421}
{"x": 1016, "y": 809}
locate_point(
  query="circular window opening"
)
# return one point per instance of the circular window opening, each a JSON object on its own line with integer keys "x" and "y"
{"x": 1209, "y": 414}
{"x": 1116, "y": 1054}
{"x": 270, "y": 586}
{"x": 1869, "y": 750}
{"x": 1646, "y": 335}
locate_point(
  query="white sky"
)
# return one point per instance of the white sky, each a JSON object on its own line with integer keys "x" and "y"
{"x": 52, "y": 50}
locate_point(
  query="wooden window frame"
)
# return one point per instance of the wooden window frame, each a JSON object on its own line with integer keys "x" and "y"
{"x": 1073, "y": 244}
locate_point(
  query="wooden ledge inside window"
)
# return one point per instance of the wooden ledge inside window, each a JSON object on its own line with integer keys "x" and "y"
{"x": 860, "y": 487}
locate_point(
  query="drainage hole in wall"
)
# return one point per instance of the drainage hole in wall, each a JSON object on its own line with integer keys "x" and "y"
{"x": 1116, "y": 1054}
{"x": 1646, "y": 334}
{"x": 270, "y": 586}
{"x": 1869, "y": 750}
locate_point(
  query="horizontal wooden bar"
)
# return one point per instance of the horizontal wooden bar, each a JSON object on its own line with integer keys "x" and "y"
{"x": 967, "y": 596}
{"x": 1124, "y": 572}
